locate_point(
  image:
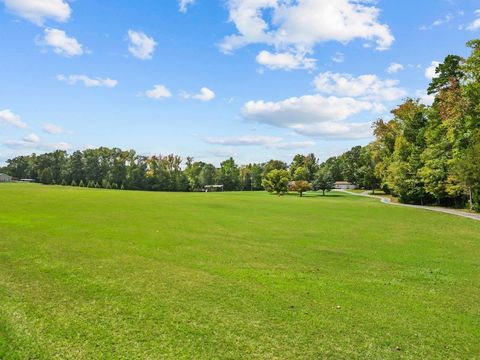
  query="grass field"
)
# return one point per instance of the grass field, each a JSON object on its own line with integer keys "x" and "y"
{"x": 88, "y": 274}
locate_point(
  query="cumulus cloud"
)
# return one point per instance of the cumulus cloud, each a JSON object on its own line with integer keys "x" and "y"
{"x": 246, "y": 140}
{"x": 141, "y": 45}
{"x": 285, "y": 60}
{"x": 87, "y": 81}
{"x": 259, "y": 140}
{"x": 430, "y": 71}
{"x": 184, "y": 4}
{"x": 38, "y": 11}
{"x": 8, "y": 117}
{"x": 335, "y": 130}
{"x": 475, "y": 25}
{"x": 297, "y": 26}
{"x": 33, "y": 141}
{"x": 53, "y": 129}
{"x": 364, "y": 86}
{"x": 313, "y": 115}
{"x": 205, "y": 95}
{"x": 393, "y": 68}
{"x": 158, "y": 92}
{"x": 60, "y": 42}
{"x": 424, "y": 98}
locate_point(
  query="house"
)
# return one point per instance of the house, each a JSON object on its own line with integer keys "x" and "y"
{"x": 344, "y": 185}
{"x": 5, "y": 178}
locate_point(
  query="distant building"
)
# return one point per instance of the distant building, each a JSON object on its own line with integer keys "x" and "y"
{"x": 5, "y": 178}
{"x": 212, "y": 188}
{"x": 344, "y": 185}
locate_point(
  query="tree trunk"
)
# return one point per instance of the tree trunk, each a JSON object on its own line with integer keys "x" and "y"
{"x": 301, "y": 194}
{"x": 323, "y": 192}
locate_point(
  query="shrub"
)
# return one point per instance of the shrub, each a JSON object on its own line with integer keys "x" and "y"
{"x": 81, "y": 184}
{"x": 74, "y": 183}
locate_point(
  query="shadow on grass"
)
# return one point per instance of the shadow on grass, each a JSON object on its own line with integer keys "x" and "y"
{"x": 313, "y": 194}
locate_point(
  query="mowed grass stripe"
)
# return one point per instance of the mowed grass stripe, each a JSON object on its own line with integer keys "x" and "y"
{"x": 87, "y": 273}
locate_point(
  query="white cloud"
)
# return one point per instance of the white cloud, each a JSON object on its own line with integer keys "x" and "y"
{"x": 335, "y": 130}
{"x": 32, "y": 138}
{"x": 8, "y": 117}
{"x": 363, "y": 86}
{"x": 297, "y": 26}
{"x": 61, "y": 43}
{"x": 87, "y": 81}
{"x": 424, "y": 98}
{"x": 313, "y": 115}
{"x": 33, "y": 141}
{"x": 53, "y": 129}
{"x": 393, "y": 68}
{"x": 158, "y": 92}
{"x": 141, "y": 45}
{"x": 259, "y": 140}
{"x": 184, "y": 4}
{"x": 338, "y": 57}
{"x": 285, "y": 60}
{"x": 295, "y": 145}
{"x": 205, "y": 95}
{"x": 37, "y": 11}
{"x": 475, "y": 25}
{"x": 246, "y": 140}
{"x": 430, "y": 71}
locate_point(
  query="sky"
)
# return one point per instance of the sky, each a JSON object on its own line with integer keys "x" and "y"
{"x": 252, "y": 79}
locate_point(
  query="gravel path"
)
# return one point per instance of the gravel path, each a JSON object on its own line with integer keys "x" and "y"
{"x": 431, "y": 208}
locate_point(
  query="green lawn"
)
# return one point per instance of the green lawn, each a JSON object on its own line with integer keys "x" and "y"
{"x": 88, "y": 274}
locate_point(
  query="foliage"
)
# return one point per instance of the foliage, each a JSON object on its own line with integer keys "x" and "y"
{"x": 299, "y": 186}
{"x": 46, "y": 176}
{"x": 323, "y": 180}
{"x": 276, "y": 181}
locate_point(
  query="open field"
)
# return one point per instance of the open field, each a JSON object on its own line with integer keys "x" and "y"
{"x": 88, "y": 273}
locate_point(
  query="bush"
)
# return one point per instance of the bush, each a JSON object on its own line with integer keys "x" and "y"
{"x": 81, "y": 184}
{"x": 74, "y": 183}
{"x": 114, "y": 186}
{"x": 64, "y": 183}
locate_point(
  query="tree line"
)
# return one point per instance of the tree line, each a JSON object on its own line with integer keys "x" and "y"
{"x": 113, "y": 168}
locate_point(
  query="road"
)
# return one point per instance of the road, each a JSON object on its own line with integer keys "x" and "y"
{"x": 430, "y": 208}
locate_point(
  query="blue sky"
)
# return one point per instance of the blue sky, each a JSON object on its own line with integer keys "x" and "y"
{"x": 253, "y": 79}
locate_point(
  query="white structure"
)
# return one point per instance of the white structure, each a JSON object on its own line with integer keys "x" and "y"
{"x": 212, "y": 188}
{"x": 5, "y": 178}
{"x": 344, "y": 185}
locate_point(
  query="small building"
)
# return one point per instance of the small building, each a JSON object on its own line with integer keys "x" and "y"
{"x": 212, "y": 188}
{"x": 344, "y": 185}
{"x": 5, "y": 178}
